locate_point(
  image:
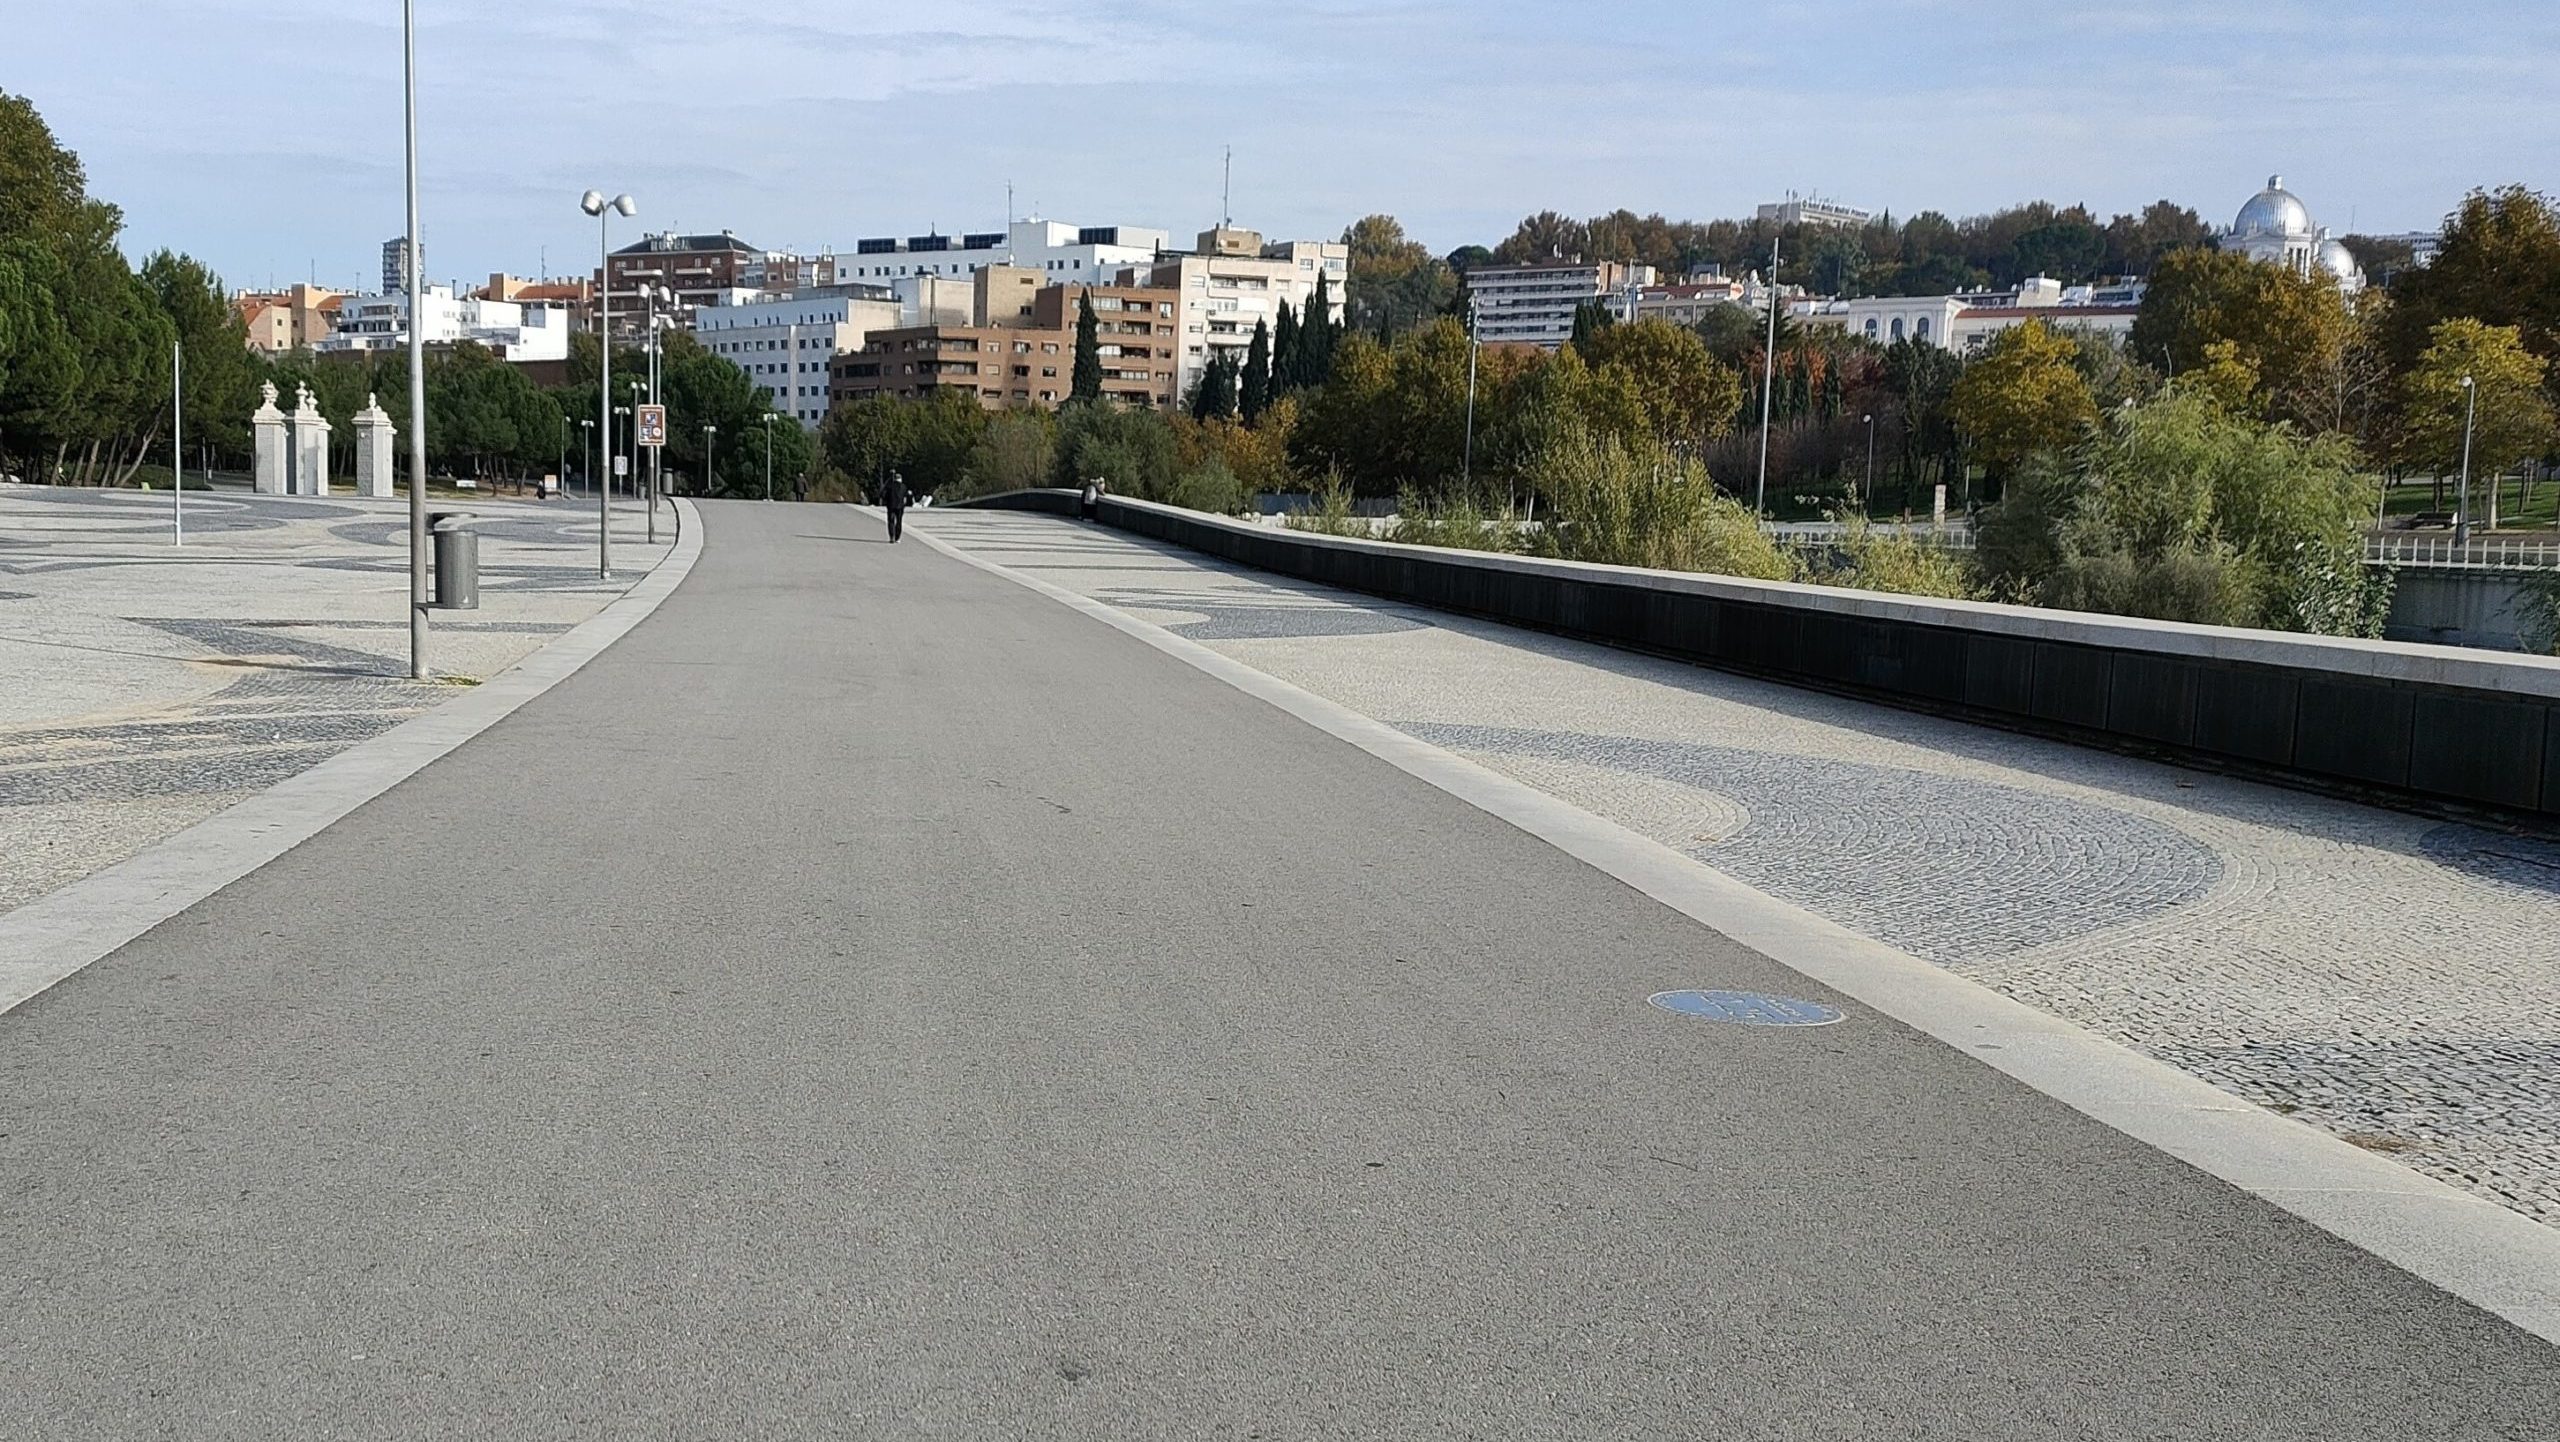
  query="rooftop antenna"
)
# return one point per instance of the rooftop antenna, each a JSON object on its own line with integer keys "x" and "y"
{"x": 1008, "y": 205}
{"x": 1226, "y": 193}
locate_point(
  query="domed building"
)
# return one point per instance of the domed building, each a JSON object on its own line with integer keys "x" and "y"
{"x": 2275, "y": 227}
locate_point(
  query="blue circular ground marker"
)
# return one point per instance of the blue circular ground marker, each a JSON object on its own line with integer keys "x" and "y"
{"x": 1750, "y": 1008}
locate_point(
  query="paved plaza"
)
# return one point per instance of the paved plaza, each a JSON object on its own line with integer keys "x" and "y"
{"x": 952, "y": 1016}
{"x": 149, "y": 685}
{"x": 2392, "y": 978}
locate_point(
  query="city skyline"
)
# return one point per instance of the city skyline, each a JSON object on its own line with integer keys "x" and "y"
{"x": 806, "y": 135}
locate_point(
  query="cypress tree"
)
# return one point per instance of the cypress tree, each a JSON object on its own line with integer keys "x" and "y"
{"x": 1254, "y": 387}
{"x": 1284, "y": 352}
{"x": 1088, "y": 373}
{"x": 1216, "y": 398}
{"x": 1316, "y": 336}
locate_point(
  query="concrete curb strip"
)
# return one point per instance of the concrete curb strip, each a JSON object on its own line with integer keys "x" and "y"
{"x": 56, "y": 935}
{"x": 2502, "y": 1262}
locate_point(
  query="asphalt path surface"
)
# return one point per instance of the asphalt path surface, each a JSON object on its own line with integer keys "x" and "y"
{"x": 875, "y": 1001}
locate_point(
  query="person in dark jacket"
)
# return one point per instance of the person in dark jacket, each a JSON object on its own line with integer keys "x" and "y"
{"x": 894, "y": 496}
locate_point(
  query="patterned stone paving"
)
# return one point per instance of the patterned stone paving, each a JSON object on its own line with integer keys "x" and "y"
{"x": 2391, "y": 978}
{"x": 145, "y": 686}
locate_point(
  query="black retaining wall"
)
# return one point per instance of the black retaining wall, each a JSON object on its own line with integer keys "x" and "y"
{"x": 2423, "y": 722}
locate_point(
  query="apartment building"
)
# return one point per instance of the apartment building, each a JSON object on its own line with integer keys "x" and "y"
{"x": 785, "y": 344}
{"x": 515, "y": 332}
{"x": 282, "y": 321}
{"x": 705, "y": 270}
{"x": 1089, "y": 253}
{"x": 1006, "y": 357}
{"x": 1232, "y": 281}
{"x": 1533, "y": 302}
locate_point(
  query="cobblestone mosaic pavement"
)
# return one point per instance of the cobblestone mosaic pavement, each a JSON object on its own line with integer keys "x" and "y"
{"x": 2392, "y": 978}
{"x": 145, "y": 686}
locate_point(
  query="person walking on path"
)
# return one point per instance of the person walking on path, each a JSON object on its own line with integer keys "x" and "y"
{"x": 894, "y": 496}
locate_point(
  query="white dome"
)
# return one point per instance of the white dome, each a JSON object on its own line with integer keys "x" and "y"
{"x": 2273, "y": 211}
{"x": 2339, "y": 261}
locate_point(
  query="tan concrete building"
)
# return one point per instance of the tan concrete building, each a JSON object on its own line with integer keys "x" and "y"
{"x": 283, "y": 321}
{"x": 1018, "y": 353}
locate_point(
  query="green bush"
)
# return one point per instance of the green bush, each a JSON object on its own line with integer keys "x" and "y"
{"x": 1872, "y": 560}
{"x": 1132, "y": 450}
{"x": 1331, "y": 514}
{"x": 1208, "y": 486}
{"x": 1641, "y": 506}
{"x": 1458, "y": 520}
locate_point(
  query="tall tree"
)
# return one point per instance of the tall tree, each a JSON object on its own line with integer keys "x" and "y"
{"x": 1253, "y": 389}
{"x": 1589, "y": 319}
{"x": 2498, "y": 262}
{"x": 2290, "y": 328}
{"x": 1284, "y": 352}
{"x": 1215, "y": 397}
{"x": 1317, "y": 333}
{"x": 1395, "y": 283}
{"x": 2023, "y": 395}
{"x": 2510, "y": 411}
{"x": 1088, "y": 371}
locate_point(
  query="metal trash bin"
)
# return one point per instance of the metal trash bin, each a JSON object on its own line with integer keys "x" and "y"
{"x": 457, "y": 563}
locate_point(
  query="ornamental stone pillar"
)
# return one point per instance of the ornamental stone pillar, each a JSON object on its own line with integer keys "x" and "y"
{"x": 274, "y": 465}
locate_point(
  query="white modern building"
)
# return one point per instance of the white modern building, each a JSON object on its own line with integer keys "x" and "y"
{"x": 1532, "y": 302}
{"x": 1967, "y": 320}
{"x": 516, "y": 332}
{"x": 1811, "y": 210}
{"x": 1232, "y": 282}
{"x": 785, "y": 344}
{"x": 1090, "y": 254}
{"x": 2275, "y": 228}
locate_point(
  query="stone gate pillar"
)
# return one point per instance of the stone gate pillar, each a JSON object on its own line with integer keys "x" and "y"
{"x": 374, "y": 433}
{"x": 268, "y": 425}
{"x": 310, "y": 448}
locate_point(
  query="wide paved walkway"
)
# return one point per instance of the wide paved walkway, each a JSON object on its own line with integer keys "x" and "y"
{"x": 873, "y": 1000}
{"x": 2391, "y": 978}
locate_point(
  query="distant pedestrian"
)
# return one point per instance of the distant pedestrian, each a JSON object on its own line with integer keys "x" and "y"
{"x": 894, "y": 496}
{"x": 1091, "y": 503}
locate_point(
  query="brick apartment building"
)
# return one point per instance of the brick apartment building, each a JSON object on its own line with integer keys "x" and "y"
{"x": 1018, "y": 349}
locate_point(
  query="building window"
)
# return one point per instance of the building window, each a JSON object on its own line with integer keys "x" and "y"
{"x": 1897, "y": 327}
{"x": 1871, "y": 327}
{"x": 1921, "y": 329}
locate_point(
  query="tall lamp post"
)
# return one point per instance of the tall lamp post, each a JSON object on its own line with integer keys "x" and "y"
{"x": 1768, "y": 388}
{"x": 593, "y": 203}
{"x": 564, "y": 453}
{"x": 589, "y": 428}
{"x": 620, "y": 439}
{"x": 1867, "y": 497}
{"x": 417, "y": 353}
{"x": 710, "y": 442}
{"x": 178, "y": 444}
{"x": 2462, "y": 500}
{"x": 1467, "y": 465}
{"x": 768, "y": 455}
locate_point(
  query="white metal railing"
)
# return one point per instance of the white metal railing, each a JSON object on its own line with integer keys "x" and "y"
{"x": 2480, "y": 552}
{"x": 1829, "y": 533}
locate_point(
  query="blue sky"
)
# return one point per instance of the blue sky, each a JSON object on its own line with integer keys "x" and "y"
{"x": 264, "y": 136}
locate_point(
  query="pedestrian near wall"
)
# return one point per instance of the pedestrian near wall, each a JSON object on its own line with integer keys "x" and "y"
{"x": 894, "y": 496}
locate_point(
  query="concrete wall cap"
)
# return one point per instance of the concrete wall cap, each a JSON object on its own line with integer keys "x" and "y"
{"x": 2412, "y": 662}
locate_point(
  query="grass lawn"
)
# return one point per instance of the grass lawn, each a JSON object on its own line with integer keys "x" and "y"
{"x": 2543, "y": 514}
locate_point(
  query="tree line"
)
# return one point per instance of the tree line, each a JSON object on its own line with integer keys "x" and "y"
{"x": 88, "y": 344}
